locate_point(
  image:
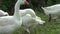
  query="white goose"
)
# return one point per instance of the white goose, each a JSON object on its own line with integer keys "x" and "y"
{"x": 2, "y": 13}
{"x": 9, "y": 23}
{"x": 29, "y": 18}
{"x": 52, "y": 11}
{"x": 28, "y": 21}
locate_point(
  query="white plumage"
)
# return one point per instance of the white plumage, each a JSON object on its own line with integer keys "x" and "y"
{"x": 27, "y": 11}
{"x": 54, "y": 11}
{"x": 29, "y": 18}
{"x": 8, "y": 24}
{"x": 2, "y": 13}
{"x": 29, "y": 21}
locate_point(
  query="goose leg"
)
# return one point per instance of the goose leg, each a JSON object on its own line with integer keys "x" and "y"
{"x": 49, "y": 20}
{"x": 27, "y": 29}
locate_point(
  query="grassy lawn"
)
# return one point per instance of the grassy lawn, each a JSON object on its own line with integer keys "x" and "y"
{"x": 47, "y": 28}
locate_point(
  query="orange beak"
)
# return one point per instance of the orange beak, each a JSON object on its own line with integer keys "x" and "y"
{"x": 25, "y": 2}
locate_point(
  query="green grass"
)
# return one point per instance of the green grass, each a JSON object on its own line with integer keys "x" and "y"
{"x": 47, "y": 28}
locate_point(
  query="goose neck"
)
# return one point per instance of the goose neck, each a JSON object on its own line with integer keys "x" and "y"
{"x": 16, "y": 13}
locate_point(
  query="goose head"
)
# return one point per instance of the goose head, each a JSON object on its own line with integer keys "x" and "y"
{"x": 6, "y": 14}
{"x": 23, "y": 2}
{"x": 39, "y": 20}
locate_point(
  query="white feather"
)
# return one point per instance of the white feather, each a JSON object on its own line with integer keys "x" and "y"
{"x": 8, "y": 24}
{"x": 54, "y": 10}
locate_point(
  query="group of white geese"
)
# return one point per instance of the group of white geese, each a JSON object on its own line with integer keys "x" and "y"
{"x": 24, "y": 18}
